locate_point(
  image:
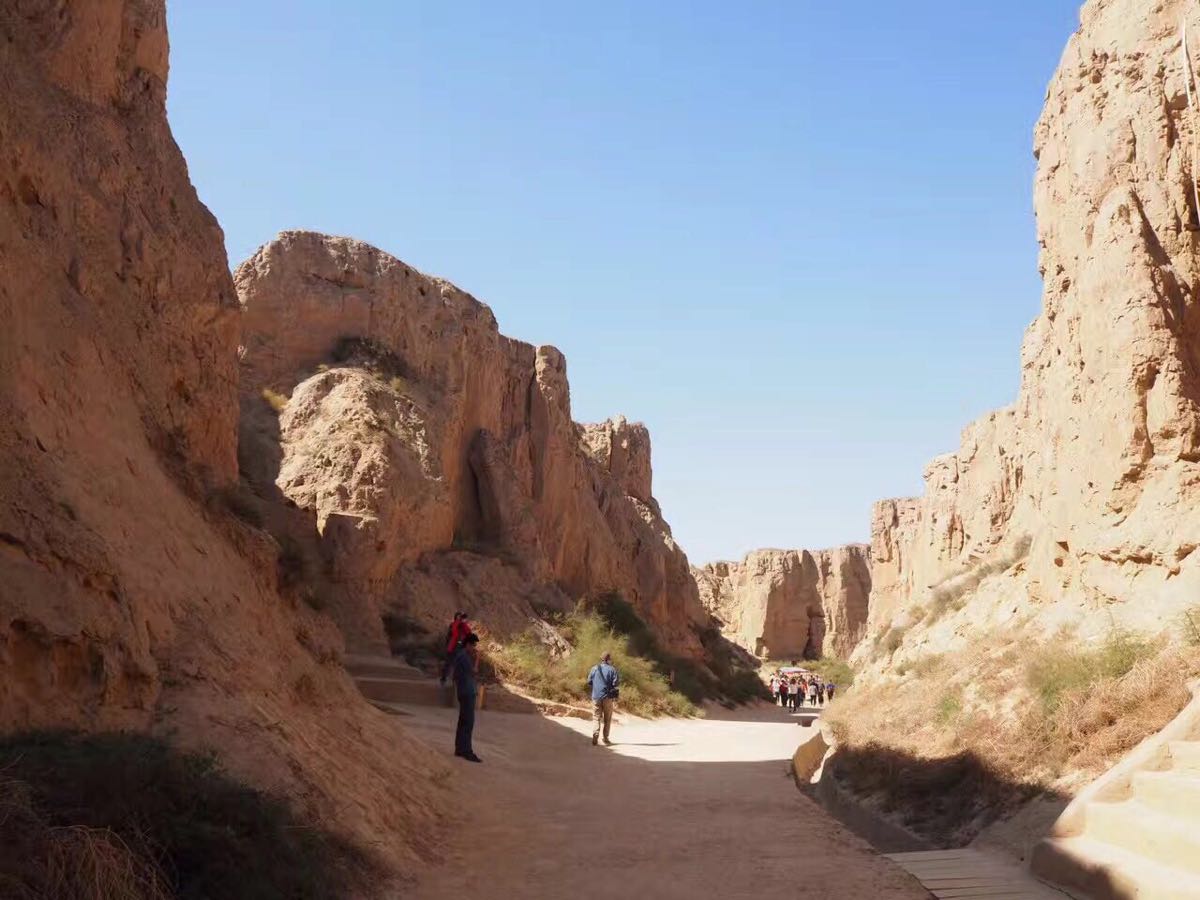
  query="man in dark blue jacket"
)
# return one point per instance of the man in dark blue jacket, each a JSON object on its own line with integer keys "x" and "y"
{"x": 604, "y": 682}
{"x": 462, "y": 666}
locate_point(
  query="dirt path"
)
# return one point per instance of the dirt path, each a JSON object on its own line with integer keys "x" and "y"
{"x": 676, "y": 809}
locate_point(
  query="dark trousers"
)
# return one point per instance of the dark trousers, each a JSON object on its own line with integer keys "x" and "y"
{"x": 466, "y": 725}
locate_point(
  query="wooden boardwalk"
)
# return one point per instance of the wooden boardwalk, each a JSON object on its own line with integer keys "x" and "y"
{"x": 972, "y": 875}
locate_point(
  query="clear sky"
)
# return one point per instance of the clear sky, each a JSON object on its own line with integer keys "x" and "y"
{"x": 794, "y": 237}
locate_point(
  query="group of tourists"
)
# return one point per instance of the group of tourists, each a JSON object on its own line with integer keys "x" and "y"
{"x": 791, "y": 691}
{"x": 462, "y": 663}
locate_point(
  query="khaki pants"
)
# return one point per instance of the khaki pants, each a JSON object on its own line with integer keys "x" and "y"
{"x": 602, "y": 717}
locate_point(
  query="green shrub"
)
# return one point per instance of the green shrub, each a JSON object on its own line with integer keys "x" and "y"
{"x": 727, "y": 677}
{"x": 949, "y": 707}
{"x": 833, "y": 669}
{"x": 124, "y": 816}
{"x": 1053, "y": 672}
{"x": 528, "y": 663}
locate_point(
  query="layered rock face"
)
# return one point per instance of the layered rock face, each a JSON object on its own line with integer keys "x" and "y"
{"x": 791, "y": 604}
{"x": 1098, "y": 460}
{"x": 128, "y": 597}
{"x": 439, "y": 456}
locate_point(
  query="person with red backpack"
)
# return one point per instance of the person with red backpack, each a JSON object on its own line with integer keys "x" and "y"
{"x": 455, "y": 635}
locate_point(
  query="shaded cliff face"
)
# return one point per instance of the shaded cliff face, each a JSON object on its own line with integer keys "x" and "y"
{"x": 439, "y": 456}
{"x": 1097, "y": 460}
{"x": 791, "y": 604}
{"x": 128, "y": 597}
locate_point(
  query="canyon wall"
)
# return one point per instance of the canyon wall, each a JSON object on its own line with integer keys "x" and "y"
{"x": 130, "y": 597}
{"x": 1076, "y": 507}
{"x": 791, "y": 604}
{"x": 438, "y": 457}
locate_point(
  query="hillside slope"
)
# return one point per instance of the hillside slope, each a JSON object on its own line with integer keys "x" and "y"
{"x": 438, "y": 457}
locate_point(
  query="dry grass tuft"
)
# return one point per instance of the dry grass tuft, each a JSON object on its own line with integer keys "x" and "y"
{"x": 42, "y": 861}
{"x": 124, "y": 816}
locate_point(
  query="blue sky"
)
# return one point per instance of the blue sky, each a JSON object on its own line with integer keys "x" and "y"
{"x": 794, "y": 238}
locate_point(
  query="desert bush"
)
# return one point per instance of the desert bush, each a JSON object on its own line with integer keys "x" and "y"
{"x": 529, "y": 664}
{"x": 727, "y": 676}
{"x": 949, "y": 706}
{"x": 123, "y": 816}
{"x": 1055, "y": 671}
{"x": 831, "y": 668}
{"x": 275, "y": 400}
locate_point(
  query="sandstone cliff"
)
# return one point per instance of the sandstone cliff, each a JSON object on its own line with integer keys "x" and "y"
{"x": 1097, "y": 462}
{"x": 129, "y": 596}
{"x": 791, "y": 604}
{"x": 439, "y": 457}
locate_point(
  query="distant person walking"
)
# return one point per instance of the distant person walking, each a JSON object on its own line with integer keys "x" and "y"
{"x": 829, "y": 689}
{"x": 812, "y": 692}
{"x": 604, "y": 682}
{"x": 455, "y": 635}
{"x": 821, "y": 691}
{"x": 774, "y": 688}
{"x": 795, "y": 693}
{"x": 463, "y": 665}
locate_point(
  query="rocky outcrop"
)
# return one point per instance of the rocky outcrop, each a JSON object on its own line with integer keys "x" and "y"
{"x": 791, "y": 604}
{"x": 436, "y": 453}
{"x": 129, "y": 596}
{"x": 1098, "y": 460}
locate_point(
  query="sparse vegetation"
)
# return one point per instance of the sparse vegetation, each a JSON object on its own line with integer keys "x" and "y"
{"x": 1055, "y": 672}
{"x": 951, "y": 594}
{"x": 126, "y": 817}
{"x": 275, "y": 400}
{"x": 727, "y": 677}
{"x": 1190, "y": 622}
{"x": 530, "y": 664}
{"x": 1018, "y": 719}
{"x": 831, "y": 668}
{"x": 949, "y": 706}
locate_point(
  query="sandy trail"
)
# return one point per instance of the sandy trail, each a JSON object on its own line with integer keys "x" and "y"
{"x": 676, "y": 809}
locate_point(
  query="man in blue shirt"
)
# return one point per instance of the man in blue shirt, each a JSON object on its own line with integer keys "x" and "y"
{"x": 462, "y": 665}
{"x": 604, "y": 682}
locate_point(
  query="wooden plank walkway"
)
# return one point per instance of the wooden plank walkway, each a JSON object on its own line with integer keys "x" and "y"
{"x": 973, "y": 875}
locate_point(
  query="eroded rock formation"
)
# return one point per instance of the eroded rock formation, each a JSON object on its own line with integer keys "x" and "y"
{"x": 129, "y": 596}
{"x": 1098, "y": 460}
{"x": 791, "y": 604}
{"x": 438, "y": 456}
